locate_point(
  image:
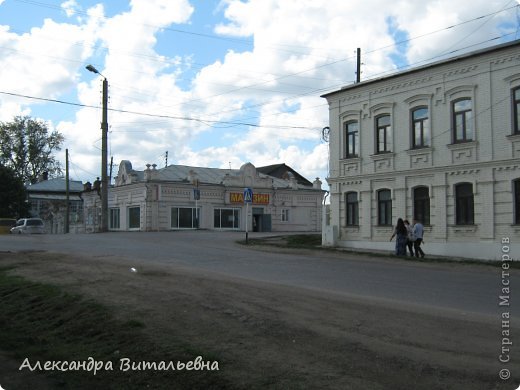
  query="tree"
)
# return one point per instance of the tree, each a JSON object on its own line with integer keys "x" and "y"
{"x": 27, "y": 147}
{"x": 13, "y": 196}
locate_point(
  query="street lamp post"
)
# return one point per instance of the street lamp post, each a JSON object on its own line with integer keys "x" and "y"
{"x": 104, "y": 160}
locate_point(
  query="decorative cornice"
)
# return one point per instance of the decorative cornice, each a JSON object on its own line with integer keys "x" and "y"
{"x": 497, "y": 164}
{"x": 505, "y": 59}
{"x": 464, "y": 172}
{"x": 458, "y": 71}
{"x": 401, "y": 85}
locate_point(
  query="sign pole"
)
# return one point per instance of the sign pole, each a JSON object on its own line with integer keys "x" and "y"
{"x": 248, "y": 198}
{"x": 247, "y": 219}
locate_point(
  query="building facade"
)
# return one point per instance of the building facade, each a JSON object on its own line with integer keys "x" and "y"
{"x": 183, "y": 197}
{"x": 48, "y": 201}
{"x": 440, "y": 143}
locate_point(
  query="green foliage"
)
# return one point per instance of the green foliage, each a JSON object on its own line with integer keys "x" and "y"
{"x": 13, "y": 195}
{"x": 27, "y": 147}
{"x": 45, "y": 323}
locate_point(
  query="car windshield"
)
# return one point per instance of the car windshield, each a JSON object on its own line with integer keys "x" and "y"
{"x": 34, "y": 222}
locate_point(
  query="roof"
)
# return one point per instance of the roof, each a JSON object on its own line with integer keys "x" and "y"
{"x": 209, "y": 175}
{"x": 56, "y": 185}
{"x": 283, "y": 171}
{"x": 214, "y": 176}
{"x": 461, "y": 57}
{"x": 205, "y": 175}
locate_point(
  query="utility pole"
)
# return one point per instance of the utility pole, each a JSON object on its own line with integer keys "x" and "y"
{"x": 358, "y": 66}
{"x": 67, "y": 190}
{"x": 104, "y": 141}
{"x": 104, "y": 162}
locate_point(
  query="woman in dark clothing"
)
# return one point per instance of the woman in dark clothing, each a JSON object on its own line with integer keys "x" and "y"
{"x": 411, "y": 237}
{"x": 401, "y": 234}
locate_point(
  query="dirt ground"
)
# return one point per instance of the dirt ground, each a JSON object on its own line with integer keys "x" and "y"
{"x": 270, "y": 336}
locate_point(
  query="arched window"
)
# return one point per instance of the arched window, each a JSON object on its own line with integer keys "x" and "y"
{"x": 351, "y": 139}
{"x": 384, "y": 207}
{"x": 352, "y": 207}
{"x": 421, "y": 205}
{"x": 420, "y": 128}
{"x": 516, "y": 194}
{"x": 516, "y": 110}
{"x": 462, "y": 120}
{"x": 464, "y": 211}
{"x": 383, "y": 134}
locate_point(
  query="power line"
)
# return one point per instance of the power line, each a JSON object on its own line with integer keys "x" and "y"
{"x": 153, "y": 115}
{"x": 280, "y": 77}
{"x": 159, "y": 59}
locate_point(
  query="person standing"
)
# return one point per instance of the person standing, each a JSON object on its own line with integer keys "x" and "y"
{"x": 418, "y": 232}
{"x": 401, "y": 235}
{"x": 411, "y": 237}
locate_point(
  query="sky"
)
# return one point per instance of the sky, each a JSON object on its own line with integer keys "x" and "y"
{"x": 217, "y": 83}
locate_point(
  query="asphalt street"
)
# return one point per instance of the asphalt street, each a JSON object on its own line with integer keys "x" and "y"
{"x": 459, "y": 289}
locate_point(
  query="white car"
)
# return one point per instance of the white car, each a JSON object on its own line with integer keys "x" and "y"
{"x": 28, "y": 226}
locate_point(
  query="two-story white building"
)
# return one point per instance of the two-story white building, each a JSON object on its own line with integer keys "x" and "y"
{"x": 440, "y": 143}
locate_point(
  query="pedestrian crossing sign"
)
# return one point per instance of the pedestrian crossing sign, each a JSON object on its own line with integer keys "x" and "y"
{"x": 248, "y": 195}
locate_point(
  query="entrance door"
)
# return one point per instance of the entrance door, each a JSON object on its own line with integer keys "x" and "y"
{"x": 258, "y": 213}
{"x": 261, "y": 221}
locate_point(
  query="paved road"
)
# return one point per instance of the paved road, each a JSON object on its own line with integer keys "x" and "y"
{"x": 459, "y": 289}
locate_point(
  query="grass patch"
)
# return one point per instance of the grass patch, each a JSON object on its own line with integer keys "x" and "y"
{"x": 302, "y": 241}
{"x": 313, "y": 241}
{"x": 44, "y": 323}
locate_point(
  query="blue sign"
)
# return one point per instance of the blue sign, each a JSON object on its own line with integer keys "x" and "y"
{"x": 196, "y": 194}
{"x": 248, "y": 195}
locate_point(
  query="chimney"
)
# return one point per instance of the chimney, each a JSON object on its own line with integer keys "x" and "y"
{"x": 148, "y": 173}
{"x": 317, "y": 184}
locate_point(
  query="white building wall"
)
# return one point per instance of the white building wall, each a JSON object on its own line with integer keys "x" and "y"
{"x": 156, "y": 200}
{"x": 490, "y": 162}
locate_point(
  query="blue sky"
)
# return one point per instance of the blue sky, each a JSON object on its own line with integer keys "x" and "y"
{"x": 217, "y": 83}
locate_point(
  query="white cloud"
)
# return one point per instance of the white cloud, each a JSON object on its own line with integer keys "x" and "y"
{"x": 70, "y": 7}
{"x": 301, "y": 49}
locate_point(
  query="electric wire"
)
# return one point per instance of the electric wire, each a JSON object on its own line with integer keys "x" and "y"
{"x": 149, "y": 114}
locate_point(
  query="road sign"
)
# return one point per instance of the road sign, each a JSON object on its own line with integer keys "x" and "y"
{"x": 248, "y": 195}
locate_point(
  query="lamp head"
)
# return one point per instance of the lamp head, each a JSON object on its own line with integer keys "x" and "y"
{"x": 92, "y": 69}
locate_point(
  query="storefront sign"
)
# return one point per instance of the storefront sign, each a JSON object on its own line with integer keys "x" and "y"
{"x": 238, "y": 197}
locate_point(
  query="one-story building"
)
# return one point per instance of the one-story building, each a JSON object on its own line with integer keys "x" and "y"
{"x": 185, "y": 197}
{"x": 48, "y": 201}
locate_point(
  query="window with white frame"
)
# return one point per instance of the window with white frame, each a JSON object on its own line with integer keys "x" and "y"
{"x": 184, "y": 217}
{"x": 114, "y": 218}
{"x": 134, "y": 217}
{"x": 285, "y": 215}
{"x": 226, "y": 218}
